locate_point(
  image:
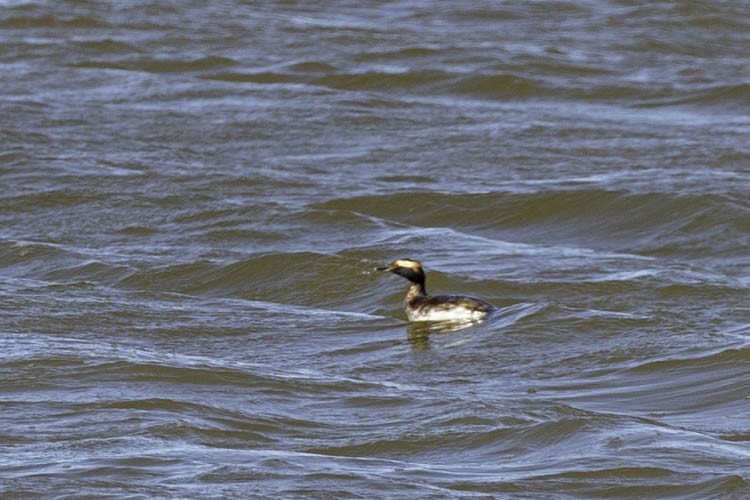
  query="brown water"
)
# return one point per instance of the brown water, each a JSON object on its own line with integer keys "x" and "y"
{"x": 195, "y": 195}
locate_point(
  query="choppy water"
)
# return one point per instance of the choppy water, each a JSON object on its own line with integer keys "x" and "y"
{"x": 194, "y": 196}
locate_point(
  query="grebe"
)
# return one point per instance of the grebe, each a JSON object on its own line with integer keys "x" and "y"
{"x": 422, "y": 307}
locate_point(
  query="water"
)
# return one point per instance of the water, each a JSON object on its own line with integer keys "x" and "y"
{"x": 195, "y": 195}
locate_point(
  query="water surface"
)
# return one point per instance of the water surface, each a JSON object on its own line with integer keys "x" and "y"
{"x": 194, "y": 199}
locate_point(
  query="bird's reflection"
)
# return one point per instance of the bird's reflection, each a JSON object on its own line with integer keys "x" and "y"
{"x": 419, "y": 331}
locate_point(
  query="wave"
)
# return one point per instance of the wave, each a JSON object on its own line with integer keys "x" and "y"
{"x": 649, "y": 224}
{"x": 532, "y": 81}
{"x": 51, "y": 21}
{"x": 724, "y": 95}
{"x": 685, "y": 390}
{"x": 41, "y": 358}
{"x": 152, "y": 65}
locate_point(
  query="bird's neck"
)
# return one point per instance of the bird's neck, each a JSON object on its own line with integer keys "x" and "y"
{"x": 416, "y": 289}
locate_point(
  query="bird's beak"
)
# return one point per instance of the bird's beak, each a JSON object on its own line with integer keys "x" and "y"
{"x": 384, "y": 268}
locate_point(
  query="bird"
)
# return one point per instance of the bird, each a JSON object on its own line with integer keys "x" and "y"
{"x": 419, "y": 306}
